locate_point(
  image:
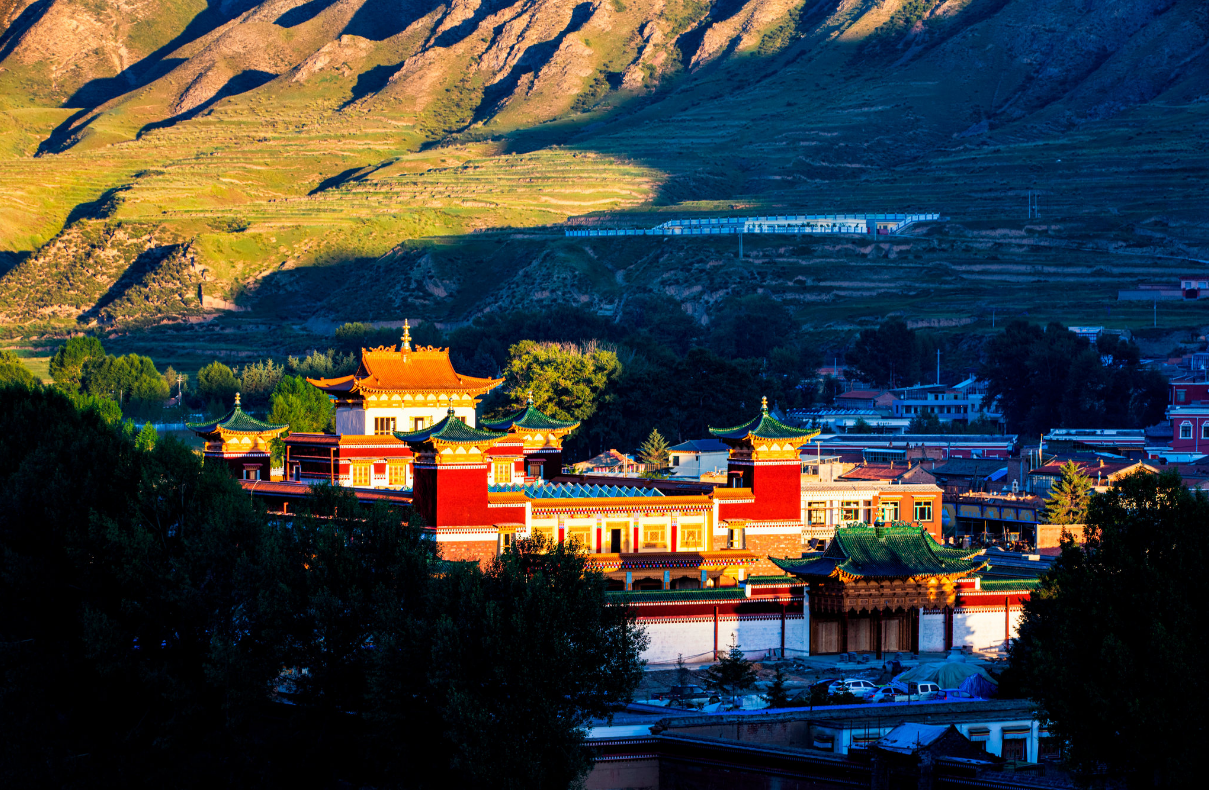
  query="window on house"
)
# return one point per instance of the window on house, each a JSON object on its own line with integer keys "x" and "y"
{"x": 1015, "y": 749}
{"x": 817, "y": 512}
{"x": 502, "y": 472}
{"x": 1186, "y": 430}
{"x": 506, "y": 540}
{"x": 544, "y": 532}
{"x": 1181, "y": 396}
{"x": 581, "y": 535}
{"x": 1205, "y": 430}
{"x": 1049, "y": 749}
{"x": 888, "y": 511}
{"x": 397, "y": 474}
{"x": 251, "y": 473}
{"x": 654, "y": 537}
{"x": 361, "y": 474}
{"x": 923, "y": 510}
{"x": 850, "y": 511}
{"x": 735, "y": 538}
{"x": 384, "y": 426}
{"x": 535, "y": 470}
{"x": 419, "y": 423}
{"x": 690, "y": 536}
{"x": 675, "y": 460}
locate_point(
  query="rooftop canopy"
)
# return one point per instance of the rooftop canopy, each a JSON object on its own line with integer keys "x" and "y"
{"x": 883, "y": 553}
{"x": 450, "y": 430}
{"x": 404, "y": 369}
{"x": 575, "y": 491}
{"x": 235, "y": 421}
{"x": 530, "y": 419}
{"x": 763, "y": 426}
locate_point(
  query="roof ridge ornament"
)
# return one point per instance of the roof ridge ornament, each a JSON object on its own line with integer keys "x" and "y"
{"x": 237, "y": 400}
{"x": 405, "y": 341}
{"x": 764, "y": 404}
{"x": 530, "y": 396}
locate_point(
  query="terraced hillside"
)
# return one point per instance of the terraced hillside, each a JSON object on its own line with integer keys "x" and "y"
{"x": 361, "y": 159}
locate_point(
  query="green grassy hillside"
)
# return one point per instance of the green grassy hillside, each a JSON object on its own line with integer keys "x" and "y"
{"x": 309, "y": 163}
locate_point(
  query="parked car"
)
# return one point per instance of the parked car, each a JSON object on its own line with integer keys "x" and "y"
{"x": 956, "y": 694}
{"x": 683, "y": 694}
{"x": 915, "y": 692}
{"x": 856, "y": 686}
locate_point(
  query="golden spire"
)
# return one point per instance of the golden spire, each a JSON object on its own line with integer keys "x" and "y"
{"x": 406, "y": 344}
{"x": 764, "y": 404}
{"x": 530, "y": 397}
{"x": 237, "y": 400}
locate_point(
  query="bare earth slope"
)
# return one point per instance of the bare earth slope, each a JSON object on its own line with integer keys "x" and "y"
{"x": 325, "y": 158}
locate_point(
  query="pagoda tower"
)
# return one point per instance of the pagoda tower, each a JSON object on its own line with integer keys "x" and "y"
{"x": 402, "y": 389}
{"x": 762, "y": 503}
{"x": 240, "y": 441}
{"x": 539, "y": 439}
{"x": 450, "y": 472}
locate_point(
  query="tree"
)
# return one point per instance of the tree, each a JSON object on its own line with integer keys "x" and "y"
{"x": 258, "y": 380}
{"x": 777, "y": 696}
{"x": 145, "y": 440}
{"x": 1112, "y": 623}
{"x": 301, "y": 405}
{"x": 732, "y": 674}
{"x": 514, "y": 660}
{"x": 67, "y": 365}
{"x": 683, "y": 676}
{"x": 891, "y": 355}
{"x": 654, "y": 452}
{"x": 751, "y": 327}
{"x": 1067, "y": 502}
{"x": 567, "y": 381}
{"x": 14, "y": 374}
{"x": 216, "y": 382}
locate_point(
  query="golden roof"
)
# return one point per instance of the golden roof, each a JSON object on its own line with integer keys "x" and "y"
{"x": 423, "y": 369}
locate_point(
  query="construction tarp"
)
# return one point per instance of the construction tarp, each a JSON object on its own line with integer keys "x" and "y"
{"x": 969, "y": 678}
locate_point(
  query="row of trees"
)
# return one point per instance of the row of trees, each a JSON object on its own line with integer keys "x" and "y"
{"x": 156, "y": 621}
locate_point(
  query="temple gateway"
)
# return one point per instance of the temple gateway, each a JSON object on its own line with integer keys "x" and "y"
{"x": 704, "y": 563}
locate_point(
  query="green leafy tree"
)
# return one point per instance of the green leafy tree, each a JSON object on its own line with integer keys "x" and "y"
{"x": 301, "y": 405}
{"x": 683, "y": 675}
{"x": 891, "y": 355}
{"x": 861, "y": 426}
{"x": 1113, "y": 623}
{"x": 777, "y": 696}
{"x": 216, "y": 382}
{"x": 654, "y": 452}
{"x": 67, "y": 365}
{"x": 1069, "y": 496}
{"x": 258, "y": 380}
{"x": 732, "y": 674}
{"x": 568, "y": 381}
{"x": 145, "y": 440}
{"x": 14, "y": 374}
{"x": 481, "y": 663}
{"x": 751, "y": 327}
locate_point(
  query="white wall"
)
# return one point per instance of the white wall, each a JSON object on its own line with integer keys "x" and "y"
{"x": 693, "y": 465}
{"x": 350, "y": 421}
{"x": 694, "y": 638}
{"x": 931, "y": 631}
{"x": 355, "y": 421}
{"x": 983, "y": 628}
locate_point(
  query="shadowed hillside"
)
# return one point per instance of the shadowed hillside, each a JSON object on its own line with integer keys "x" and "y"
{"x": 326, "y": 159}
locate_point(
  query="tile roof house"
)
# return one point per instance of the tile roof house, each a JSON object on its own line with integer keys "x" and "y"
{"x": 611, "y": 462}
{"x": 890, "y": 473}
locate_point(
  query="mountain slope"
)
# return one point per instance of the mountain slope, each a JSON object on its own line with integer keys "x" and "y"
{"x": 278, "y": 137}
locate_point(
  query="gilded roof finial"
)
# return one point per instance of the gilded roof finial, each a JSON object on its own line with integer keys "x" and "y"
{"x": 237, "y": 400}
{"x": 406, "y": 344}
{"x": 764, "y": 404}
{"x": 530, "y": 397}
{"x": 450, "y": 412}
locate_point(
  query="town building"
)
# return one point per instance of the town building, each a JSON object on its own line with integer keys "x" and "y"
{"x": 239, "y": 441}
{"x": 874, "y": 448}
{"x": 845, "y": 419}
{"x": 1125, "y": 442}
{"x": 959, "y": 475}
{"x": 879, "y": 400}
{"x": 905, "y": 472}
{"x": 611, "y": 462}
{"x": 828, "y": 506}
{"x": 696, "y": 457}
{"x": 1102, "y": 472}
{"x": 1001, "y": 518}
{"x": 1188, "y": 413}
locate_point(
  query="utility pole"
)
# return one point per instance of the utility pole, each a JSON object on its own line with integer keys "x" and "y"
{"x": 740, "y": 245}
{"x": 938, "y": 367}
{"x": 992, "y": 318}
{"x": 1156, "y": 312}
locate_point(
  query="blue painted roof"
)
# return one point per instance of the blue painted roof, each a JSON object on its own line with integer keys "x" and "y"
{"x": 575, "y": 491}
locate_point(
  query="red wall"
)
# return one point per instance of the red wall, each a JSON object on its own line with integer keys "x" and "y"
{"x": 776, "y": 489}
{"x": 452, "y": 497}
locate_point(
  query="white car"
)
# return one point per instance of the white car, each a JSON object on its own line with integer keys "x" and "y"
{"x": 857, "y": 687}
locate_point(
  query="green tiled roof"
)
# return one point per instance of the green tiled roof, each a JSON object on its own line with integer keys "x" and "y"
{"x": 450, "y": 429}
{"x": 531, "y": 419}
{"x": 660, "y": 596}
{"x": 763, "y": 426}
{"x": 573, "y": 490}
{"x": 883, "y": 552}
{"x": 235, "y": 420}
{"x": 773, "y": 580}
{"x": 1006, "y": 585}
